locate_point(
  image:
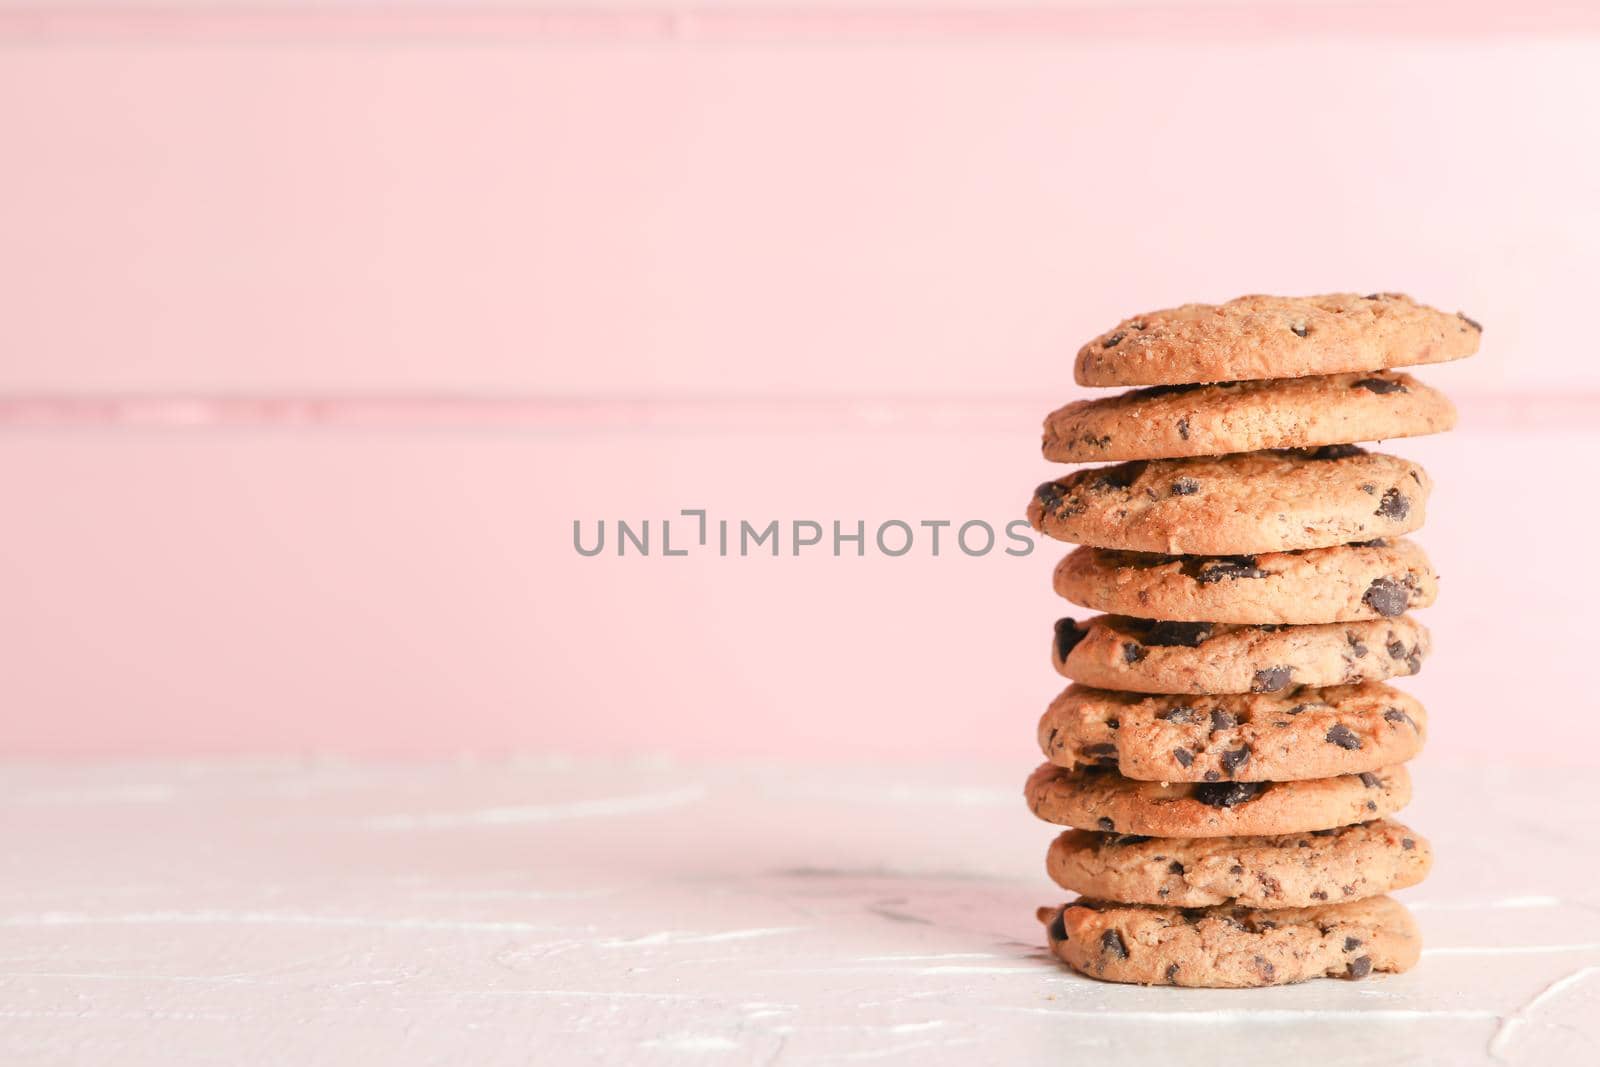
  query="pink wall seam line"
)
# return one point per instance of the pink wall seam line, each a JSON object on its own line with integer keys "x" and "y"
{"x": 749, "y": 412}
{"x": 442, "y": 23}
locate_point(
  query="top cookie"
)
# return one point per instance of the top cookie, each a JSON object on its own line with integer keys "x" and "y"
{"x": 1172, "y": 421}
{"x": 1275, "y": 337}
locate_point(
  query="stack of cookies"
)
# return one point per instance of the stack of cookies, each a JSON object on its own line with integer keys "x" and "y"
{"x": 1229, "y": 755}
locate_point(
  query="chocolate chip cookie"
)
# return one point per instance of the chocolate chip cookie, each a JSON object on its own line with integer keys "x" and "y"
{"x": 1281, "y": 871}
{"x": 1168, "y": 421}
{"x": 1248, "y": 502}
{"x": 1275, "y": 337}
{"x": 1232, "y": 948}
{"x": 1146, "y": 656}
{"x": 1367, "y": 580}
{"x": 1095, "y": 798}
{"x": 1297, "y": 733}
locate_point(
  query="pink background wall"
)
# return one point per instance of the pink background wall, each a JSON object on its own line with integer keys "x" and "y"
{"x": 321, "y": 325}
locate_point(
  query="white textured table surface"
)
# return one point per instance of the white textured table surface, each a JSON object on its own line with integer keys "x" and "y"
{"x": 540, "y": 912}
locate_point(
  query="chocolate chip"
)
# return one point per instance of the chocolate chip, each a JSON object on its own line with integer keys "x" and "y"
{"x": 1317, "y": 894}
{"x": 1212, "y": 776}
{"x": 1172, "y": 972}
{"x": 1227, "y": 794}
{"x": 1271, "y": 680}
{"x": 1107, "y": 825}
{"x": 1168, "y": 634}
{"x": 1185, "y": 487}
{"x": 1393, "y": 505}
{"x": 1361, "y": 966}
{"x": 1222, "y": 720}
{"x": 1414, "y": 663}
{"x": 1376, "y": 542}
{"x": 1102, "y": 752}
{"x": 1131, "y": 652}
{"x": 1111, "y": 944}
{"x": 1067, "y": 637}
{"x": 1357, "y": 649}
{"x": 1096, "y": 442}
{"x": 1299, "y": 329}
{"x": 1183, "y": 429}
{"x": 1379, "y": 385}
{"x": 1395, "y": 715}
{"x": 1370, "y": 780}
{"x": 1058, "y": 926}
{"x": 1050, "y": 495}
{"x": 1372, "y": 805}
{"x": 1470, "y": 322}
{"x": 1266, "y": 969}
{"x": 1129, "y": 839}
{"x": 1174, "y": 867}
{"x": 1226, "y": 567}
{"x": 1407, "y": 844}
{"x": 1396, "y": 648}
{"x": 1352, "y": 943}
{"x": 1234, "y": 759}
{"x": 1387, "y": 597}
{"x": 1182, "y": 713}
{"x": 1334, "y": 452}
{"x": 1183, "y": 756}
{"x": 1369, "y": 488}
{"x": 1114, "y": 340}
{"x": 1341, "y": 735}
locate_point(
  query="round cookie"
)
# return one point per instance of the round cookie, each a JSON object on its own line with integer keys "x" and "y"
{"x": 1232, "y": 948}
{"x": 1097, "y": 799}
{"x": 1247, "y": 502}
{"x": 1169, "y": 421}
{"x": 1146, "y": 656}
{"x": 1275, "y": 337}
{"x": 1281, "y": 871}
{"x": 1367, "y": 580}
{"x": 1298, "y": 733}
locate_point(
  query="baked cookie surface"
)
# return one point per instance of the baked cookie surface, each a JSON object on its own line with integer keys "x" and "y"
{"x": 1098, "y": 799}
{"x": 1232, "y": 948}
{"x": 1243, "y": 503}
{"x": 1366, "y": 580}
{"x": 1279, "y": 871}
{"x": 1169, "y": 421}
{"x": 1146, "y": 656}
{"x": 1296, "y": 733}
{"x": 1256, "y": 337}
